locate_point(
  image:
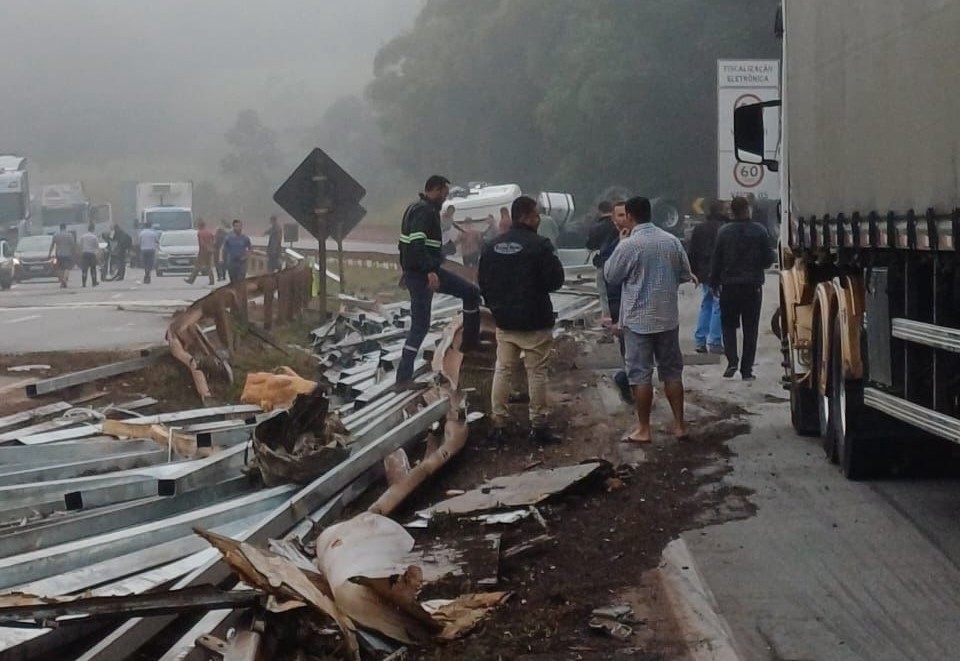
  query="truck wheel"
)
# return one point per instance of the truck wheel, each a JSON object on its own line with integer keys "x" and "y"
{"x": 822, "y": 400}
{"x": 851, "y": 421}
{"x": 803, "y": 404}
{"x": 6, "y": 281}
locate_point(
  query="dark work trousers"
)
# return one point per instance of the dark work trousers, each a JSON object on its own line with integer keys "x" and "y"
{"x": 740, "y": 308}
{"x": 421, "y": 303}
{"x": 88, "y": 264}
{"x": 121, "y": 258}
{"x": 148, "y": 259}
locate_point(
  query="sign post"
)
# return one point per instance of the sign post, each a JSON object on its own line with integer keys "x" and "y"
{"x": 325, "y": 201}
{"x": 740, "y": 83}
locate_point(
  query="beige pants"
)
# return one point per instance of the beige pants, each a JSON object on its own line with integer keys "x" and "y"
{"x": 203, "y": 265}
{"x": 535, "y": 347}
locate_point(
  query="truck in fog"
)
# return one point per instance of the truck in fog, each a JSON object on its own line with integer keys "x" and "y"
{"x": 14, "y": 197}
{"x": 869, "y": 315}
{"x": 166, "y": 206}
{"x": 68, "y": 204}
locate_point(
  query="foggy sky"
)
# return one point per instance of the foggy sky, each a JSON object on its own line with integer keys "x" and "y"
{"x": 87, "y": 82}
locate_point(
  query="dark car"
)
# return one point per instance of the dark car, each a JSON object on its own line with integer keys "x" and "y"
{"x": 33, "y": 255}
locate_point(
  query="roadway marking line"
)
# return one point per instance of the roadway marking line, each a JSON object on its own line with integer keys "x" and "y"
{"x": 21, "y": 320}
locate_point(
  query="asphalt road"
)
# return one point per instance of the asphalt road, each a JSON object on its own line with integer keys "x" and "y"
{"x": 827, "y": 569}
{"x": 39, "y": 316}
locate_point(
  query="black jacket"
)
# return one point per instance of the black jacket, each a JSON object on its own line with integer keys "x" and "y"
{"x": 518, "y": 271}
{"x": 421, "y": 238}
{"x": 702, "y": 242}
{"x": 603, "y": 231}
{"x": 741, "y": 256}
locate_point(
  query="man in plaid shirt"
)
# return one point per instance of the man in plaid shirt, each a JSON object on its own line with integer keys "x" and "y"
{"x": 650, "y": 265}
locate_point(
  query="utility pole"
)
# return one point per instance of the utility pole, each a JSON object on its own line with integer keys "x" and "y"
{"x": 321, "y": 211}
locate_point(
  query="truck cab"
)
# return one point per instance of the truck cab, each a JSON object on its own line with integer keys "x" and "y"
{"x": 14, "y": 197}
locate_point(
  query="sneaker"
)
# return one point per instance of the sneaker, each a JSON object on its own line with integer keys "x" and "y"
{"x": 716, "y": 349}
{"x": 623, "y": 385}
{"x": 749, "y": 377}
{"x": 543, "y": 436}
{"x": 730, "y": 373}
{"x": 701, "y": 349}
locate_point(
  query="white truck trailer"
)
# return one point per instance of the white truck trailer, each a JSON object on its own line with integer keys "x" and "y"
{"x": 869, "y": 149}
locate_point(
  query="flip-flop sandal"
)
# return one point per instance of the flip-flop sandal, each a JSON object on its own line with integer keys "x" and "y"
{"x": 636, "y": 441}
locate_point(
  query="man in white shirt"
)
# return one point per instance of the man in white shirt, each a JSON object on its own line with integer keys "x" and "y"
{"x": 149, "y": 240}
{"x": 89, "y": 246}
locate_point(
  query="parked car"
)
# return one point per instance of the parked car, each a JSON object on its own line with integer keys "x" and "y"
{"x": 33, "y": 255}
{"x": 8, "y": 266}
{"x": 177, "y": 252}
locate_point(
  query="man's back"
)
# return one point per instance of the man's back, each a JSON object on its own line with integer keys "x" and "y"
{"x": 703, "y": 240}
{"x": 742, "y": 254}
{"x": 149, "y": 238}
{"x": 64, "y": 244}
{"x": 517, "y": 273}
{"x": 89, "y": 243}
{"x": 651, "y": 265}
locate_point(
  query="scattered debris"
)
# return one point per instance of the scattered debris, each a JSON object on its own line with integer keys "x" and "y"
{"x": 462, "y": 615}
{"x": 299, "y": 445}
{"x": 529, "y": 488}
{"x": 614, "y": 621}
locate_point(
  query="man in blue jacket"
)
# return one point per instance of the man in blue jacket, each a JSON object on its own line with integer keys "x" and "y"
{"x": 421, "y": 258}
{"x": 518, "y": 272}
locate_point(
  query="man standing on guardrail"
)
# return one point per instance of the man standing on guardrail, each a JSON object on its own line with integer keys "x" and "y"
{"x": 421, "y": 258}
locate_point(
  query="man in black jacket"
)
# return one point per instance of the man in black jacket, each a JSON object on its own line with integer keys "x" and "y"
{"x": 603, "y": 232}
{"x": 740, "y": 260}
{"x": 708, "y": 334}
{"x": 518, "y": 271}
{"x": 421, "y": 258}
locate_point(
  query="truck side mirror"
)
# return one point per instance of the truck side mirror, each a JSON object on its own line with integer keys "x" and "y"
{"x": 749, "y": 135}
{"x": 5, "y": 250}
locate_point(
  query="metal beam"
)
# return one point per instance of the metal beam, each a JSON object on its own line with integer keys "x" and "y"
{"x": 99, "y": 466}
{"x": 71, "y": 450}
{"x": 65, "y": 381}
{"x": 217, "y": 621}
{"x": 217, "y": 468}
{"x": 176, "y": 601}
{"x": 80, "y": 525}
{"x": 24, "y": 417}
{"x": 55, "y": 560}
{"x": 132, "y": 635}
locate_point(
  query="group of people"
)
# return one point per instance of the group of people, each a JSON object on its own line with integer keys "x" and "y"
{"x": 729, "y": 260}
{"x": 69, "y": 249}
{"x": 227, "y": 253}
{"x": 640, "y": 270}
{"x": 221, "y": 252}
{"x": 518, "y": 270}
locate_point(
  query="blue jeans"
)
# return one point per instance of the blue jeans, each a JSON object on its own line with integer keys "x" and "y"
{"x": 421, "y": 303}
{"x": 709, "y": 331}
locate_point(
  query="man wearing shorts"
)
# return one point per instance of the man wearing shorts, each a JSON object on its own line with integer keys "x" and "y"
{"x": 650, "y": 265}
{"x": 65, "y": 247}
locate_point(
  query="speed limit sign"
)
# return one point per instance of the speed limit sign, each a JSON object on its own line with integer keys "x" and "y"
{"x": 748, "y": 175}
